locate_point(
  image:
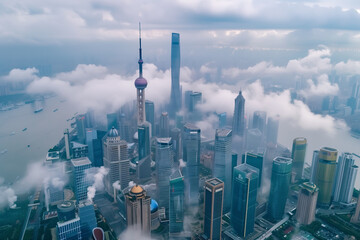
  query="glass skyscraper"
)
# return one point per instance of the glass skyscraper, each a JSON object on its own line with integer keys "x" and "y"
{"x": 326, "y": 174}
{"x": 87, "y": 218}
{"x": 239, "y": 116}
{"x": 345, "y": 178}
{"x": 164, "y": 163}
{"x": 244, "y": 193}
{"x": 150, "y": 115}
{"x": 175, "y": 98}
{"x": 176, "y": 205}
{"x": 255, "y": 160}
{"x": 69, "y": 229}
{"x": 280, "y": 183}
{"x": 144, "y": 164}
{"x": 191, "y": 155}
{"x": 80, "y": 182}
{"x": 213, "y": 208}
{"x": 223, "y": 162}
{"x": 298, "y": 156}
{"x": 164, "y": 128}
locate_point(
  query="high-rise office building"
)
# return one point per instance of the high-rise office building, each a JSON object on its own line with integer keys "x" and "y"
{"x": 213, "y": 209}
{"x": 272, "y": 130}
{"x": 306, "y": 206}
{"x": 280, "y": 183}
{"x": 140, "y": 84}
{"x": 80, "y": 181}
{"x": 191, "y": 155}
{"x": 80, "y": 127}
{"x": 175, "y": 99}
{"x": 175, "y": 135}
{"x": 239, "y": 116}
{"x": 69, "y": 229}
{"x": 254, "y": 140}
{"x": 255, "y": 160}
{"x": 67, "y": 144}
{"x": 222, "y": 119}
{"x": 116, "y": 160}
{"x": 234, "y": 163}
{"x": 138, "y": 209}
{"x": 176, "y": 204}
{"x": 188, "y": 100}
{"x": 125, "y": 128}
{"x": 298, "y": 156}
{"x": 143, "y": 170}
{"x": 91, "y": 134}
{"x": 195, "y": 99}
{"x": 164, "y": 162}
{"x": 150, "y": 115}
{"x": 222, "y": 162}
{"x": 244, "y": 193}
{"x": 345, "y": 178}
{"x": 164, "y": 128}
{"x": 314, "y": 166}
{"x": 112, "y": 121}
{"x": 326, "y": 174}
{"x": 87, "y": 218}
{"x": 259, "y": 121}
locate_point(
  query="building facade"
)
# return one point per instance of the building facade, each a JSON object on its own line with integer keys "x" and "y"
{"x": 298, "y": 156}
{"x": 176, "y": 208}
{"x": 280, "y": 183}
{"x": 80, "y": 181}
{"x": 223, "y": 162}
{"x": 245, "y": 184}
{"x": 175, "y": 97}
{"x": 306, "y": 206}
{"x": 213, "y": 208}
{"x": 239, "y": 116}
{"x": 87, "y": 218}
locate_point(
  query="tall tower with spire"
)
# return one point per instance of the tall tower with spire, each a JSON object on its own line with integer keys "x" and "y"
{"x": 140, "y": 84}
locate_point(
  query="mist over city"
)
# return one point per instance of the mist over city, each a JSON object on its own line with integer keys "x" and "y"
{"x": 157, "y": 120}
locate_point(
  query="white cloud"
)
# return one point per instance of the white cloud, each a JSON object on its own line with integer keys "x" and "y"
{"x": 322, "y": 88}
{"x": 21, "y": 75}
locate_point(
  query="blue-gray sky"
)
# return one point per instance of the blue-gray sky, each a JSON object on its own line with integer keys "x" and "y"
{"x": 230, "y": 32}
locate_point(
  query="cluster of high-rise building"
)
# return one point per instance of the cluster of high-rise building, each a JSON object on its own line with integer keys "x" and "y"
{"x": 241, "y": 161}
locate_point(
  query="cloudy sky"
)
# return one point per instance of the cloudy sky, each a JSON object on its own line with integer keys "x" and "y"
{"x": 55, "y": 36}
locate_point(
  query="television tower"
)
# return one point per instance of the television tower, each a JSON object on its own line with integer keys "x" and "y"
{"x": 140, "y": 84}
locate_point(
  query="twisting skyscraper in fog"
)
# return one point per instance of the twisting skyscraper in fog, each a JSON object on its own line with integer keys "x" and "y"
{"x": 175, "y": 101}
{"x": 140, "y": 84}
{"x": 239, "y": 116}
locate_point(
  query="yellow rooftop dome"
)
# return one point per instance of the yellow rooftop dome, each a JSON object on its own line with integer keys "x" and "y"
{"x": 136, "y": 189}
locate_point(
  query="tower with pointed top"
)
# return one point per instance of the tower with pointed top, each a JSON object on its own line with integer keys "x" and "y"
{"x": 140, "y": 84}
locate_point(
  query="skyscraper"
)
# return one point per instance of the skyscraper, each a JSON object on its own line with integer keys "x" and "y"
{"x": 164, "y": 130}
{"x": 116, "y": 160}
{"x": 191, "y": 155}
{"x": 326, "y": 174}
{"x": 112, "y": 121}
{"x": 91, "y": 134}
{"x": 150, "y": 115}
{"x": 222, "y": 119}
{"x": 314, "y": 166}
{"x": 345, "y": 178}
{"x": 164, "y": 163}
{"x": 280, "y": 183}
{"x": 80, "y": 127}
{"x": 175, "y": 135}
{"x": 213, "y": 209}
{"x": 272, "y": 130}
{"x": 140, "y": 84}
{"x": 176, "y": 205}
{"x": 306, "y": 206}
{"x": 222, "y": 162}
{"x": 298, "y": 156}
{"x": 259, "y": 121}
{"x": 255, "y": 160}
{"x": 80, "y": 182}
{"x": 175, "y": 101}
{"x": 87, "y": 218}
{"x": 244, "y": 193}
{"x": 138, "y": 209}
{"x": 67, "y": 144}
{"x": 143, "y": 170}
{"x": 239, "y": 116}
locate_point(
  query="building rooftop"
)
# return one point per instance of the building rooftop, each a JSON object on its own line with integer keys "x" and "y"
{"x": 163, "y": 141}
{"x": 191, "y": 127}
{"x": 247, "y": 171}
{"x": 214, "y": 181}
{"x": 61, "y": 224}
{"x": 80, "y": 161}
{"x": 175, "y": 175}
{"x": 311, "y": 187}
{"x": 300, "y": 140}
{"x": 283, "y": 160}
{"x": 78, "y": 145}
{"x": 84, "y": 203}
{"x": 223, "y": 132}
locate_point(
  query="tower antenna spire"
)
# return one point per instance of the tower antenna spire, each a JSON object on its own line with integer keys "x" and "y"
{"x": 140, "y": 52}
